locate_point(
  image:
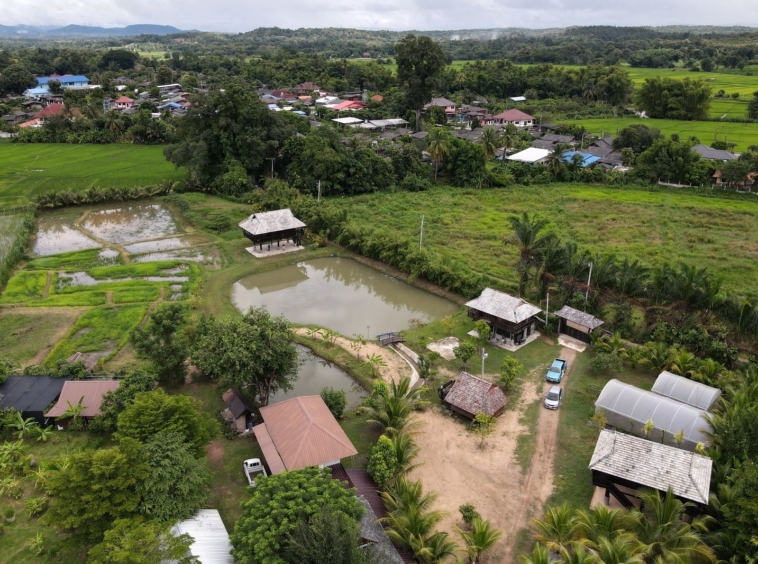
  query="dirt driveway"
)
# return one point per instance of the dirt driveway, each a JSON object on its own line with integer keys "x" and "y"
{"x": 459, "y": 471}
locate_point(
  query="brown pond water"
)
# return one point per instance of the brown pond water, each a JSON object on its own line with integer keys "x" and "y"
{"x": 340, "y": 294}
{"x": 55, "y": 237}
{"x": 128, "y": 224}
{"x": 66, "y": 279}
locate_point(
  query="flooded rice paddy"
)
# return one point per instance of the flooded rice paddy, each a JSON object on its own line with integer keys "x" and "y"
{"x": 340, "y": 294}
{"x": 132, "y": 223}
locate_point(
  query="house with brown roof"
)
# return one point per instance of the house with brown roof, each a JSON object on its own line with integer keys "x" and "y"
{"x": 123, "y": 103}
{"x": 89, "y": 392}
{"x": 443, "y": 103}
{"x": 299, "y": 433}
{"x": 239, "y": 412}
{"x": 511, "y": 318}
{"x": 469, "y": 395}
{"x": 307, "y": 88}
{"x": 516, "y": 117}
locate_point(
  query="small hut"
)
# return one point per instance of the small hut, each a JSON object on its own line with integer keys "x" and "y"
{"x": 239, "y": 412}
{"x": 267, "y": 227}
{"x": 577, "y": 324}
{"x": 512, "y": 319}
{"x": 469, "y": 395}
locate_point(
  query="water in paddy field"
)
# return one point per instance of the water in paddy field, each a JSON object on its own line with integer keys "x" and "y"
{"x": 340, "y": 294}
{"x": 129, "y": 224}
{"x": 314, "y": 374}
{"x": 55, "y": 237}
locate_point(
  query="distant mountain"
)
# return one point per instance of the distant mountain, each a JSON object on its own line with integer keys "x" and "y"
{"x": 86, "y": 31}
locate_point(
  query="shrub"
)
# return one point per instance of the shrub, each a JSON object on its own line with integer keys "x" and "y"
{"x": 605, "y": 364}
{"x": 469, "y": 513}
{"x": 380, "y": 389}
{"x": 415, "y": 183}
{"x": 382, "y": 463}
{"x": 335, "y": 400}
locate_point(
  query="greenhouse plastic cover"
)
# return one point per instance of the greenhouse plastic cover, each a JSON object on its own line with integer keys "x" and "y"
{"x": 624, "y": 403}
{"x": 686, "y": 391}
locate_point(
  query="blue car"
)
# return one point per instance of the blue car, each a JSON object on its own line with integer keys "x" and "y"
{"x": 556, "y": 371}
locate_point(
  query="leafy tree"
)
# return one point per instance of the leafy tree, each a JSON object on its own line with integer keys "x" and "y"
{"x": 97, "y": 487}
{"x": 420, "y": 62}
{"x": 139, "y": 541}
{"x": 465, "y": 351}
{"x": 664, "y": 97}
{"x": 164, "y": 75}
{"x": 335, "y": 400}
{"x": 382, "y": 462}
{"x": 468, "y": 513}
{"x": 134, "y": 382}
{"x": 483, "y": 426}
{"x": 637, "y": 137}
{"x": 605, "y": 364}
{"x": 15, "y": 79}
{"x": 118, "y": 59}
{"x": 280, "y": 504}
{"x": 163, "y": 342}
{"x": 483, "y": 331}
{"x": 154, "y": 412}
{"x": 253, "y": 351}
{"x": 509, "y": 371}
{"x": 466, "y": 163}
{"x": 672, "y": 161}
{"x": 752, "y": 106}
{"x": 178, "y": 482}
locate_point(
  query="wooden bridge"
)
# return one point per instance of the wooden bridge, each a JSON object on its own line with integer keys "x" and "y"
{"x": 389, "y": 338}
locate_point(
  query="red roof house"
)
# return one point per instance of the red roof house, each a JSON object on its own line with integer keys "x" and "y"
{"x": 123, "y": 103}
{"x": 55, "y": 110}
{"x": 348, "y": 105}
{"x": 284, "y": 94}
{"x": 516, "y": 117}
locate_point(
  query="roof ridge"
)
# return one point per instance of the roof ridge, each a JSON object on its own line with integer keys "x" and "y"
{"x": 703, "y": 495}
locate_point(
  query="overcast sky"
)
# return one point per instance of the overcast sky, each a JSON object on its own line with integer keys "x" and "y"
{"x": 244, "y": 15}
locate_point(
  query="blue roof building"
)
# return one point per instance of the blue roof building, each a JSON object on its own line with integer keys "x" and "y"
{"x": 587, "y": 159}
{"x": 67, "y": 80}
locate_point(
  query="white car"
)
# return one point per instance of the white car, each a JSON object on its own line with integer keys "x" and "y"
{"x": 554, "y": 397}
{"x": 251, "y": 466}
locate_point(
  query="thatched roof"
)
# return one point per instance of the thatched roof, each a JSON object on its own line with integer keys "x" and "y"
{"x": 474, "y": 395}
{"x": 503, "y": 306}
{"x": 271, "y": 222}
{"x": 579, "y": 317}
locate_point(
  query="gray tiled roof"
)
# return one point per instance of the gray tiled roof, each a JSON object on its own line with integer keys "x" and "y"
{"x": 653, "y": 465}
{"x": 713, "y": 154}
{"x": 270, "y": 222}
{"x": 503, "y": 306}
{"x": 372, "y": 530}
{"x": 579, "y": 317}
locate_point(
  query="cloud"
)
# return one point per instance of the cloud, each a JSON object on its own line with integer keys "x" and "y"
{"x": 235, "y": 16}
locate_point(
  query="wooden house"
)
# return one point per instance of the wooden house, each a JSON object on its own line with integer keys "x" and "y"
{"x": 510, "y": 318}
{"x": 267, "y": 227}
{"x": 577, "y": 324}
{"x": 469, "y": 395}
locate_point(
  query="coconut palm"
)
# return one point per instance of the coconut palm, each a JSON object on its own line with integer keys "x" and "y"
{"x": 554, "y": 162}
{"x": 438, "y": 146}
{"x": 437, "y": 548}
{"x": 526, "y": 234}
{"x": 599, "y": 523}
{"x": 393, "y": 412}
{"x": 481, "y": 538}
{"x": 405, "y": 451}
{"x": 664, "y": 536}
{"x": 621, "y": 550}
{"x": 709, "y": 371}
{"x": 631, "y": 277}
{"x": 556, "y": 529}
{"x": 539, "y": 555}
{"x": 576, "y": 553}
{"x": 684, "y": 363}
{"x": 407, "y": 493}
{"x": 656, "y": 356}
{"x": 611, "y": 345}
{"x": 508, "y": 138}
{"x": 412, "y": 529}
{"x": 489, "y": 140}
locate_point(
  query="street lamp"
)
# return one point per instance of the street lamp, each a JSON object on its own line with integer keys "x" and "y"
{"x": 484, "y": 356}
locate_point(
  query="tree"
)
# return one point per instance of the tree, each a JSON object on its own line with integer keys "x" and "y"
{"x": 465, "y": 351}
{"x": 637, "y": 137}
{"x": 509, "y": 371}
{"x": 672, "y": 161}
{"x": 134, "y": 382}
{"x": 483, "y": 331}
{"x": 280, "y": 504}
{"x": 752, "y": 106}
{"x": 97, "y": 487}
{"x": 253, "y": 353}
{"x": 420, "y": 62}
{"x": 508, "y": 138}
{"x": 178, "y": 482}
{"x": 555, "y": 160}
{"x": 118, "y": 59}
{"x": 664, "y": 97}
{"x": 24, "y": 426}
{"x": 393, "y": 410}
{"x": 74, "y": 412}
{"x": 15, "y": 79}
{"x": 163, "y": 342}
{"x": 490, "y": 141}
{"x": 382, "y": 462}
{"x": 335, "y": 400}
{"x": 483, "y": 426}
{"x": 139, "y": 541}
{"x": 164, "y": 75}
{"x": 526, "y": 234}
{"x": 481, "y": 538}
{"x": 466, "y": 164}
{"x": 155, "y": 411}
{"x": 438, "y": 144}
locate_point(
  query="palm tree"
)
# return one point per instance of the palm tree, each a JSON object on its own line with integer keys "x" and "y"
{"x": 407, "y": 493}
{"x": 539, "y": 555}
{"x": 489, "y": 141}
{"x": 611, "y": 345}
{"x": 481, "y": 538}
{"x": 590, "y": 527}
{"x": 438, "y": 146}
{"x": 526, "y": 234}
{"x": 631, "y": 277}
{"x": 656, "y": 356}
{"x": 23, "y": 426}
{"x": 113, "y": 121}
{"x": 437, "y": 548}
{"x": 556, "y": 530}
{"x": 684, "y": 363}
{"x": 664, "y": 536}
{"x": 393, "y": 412}
{"x": 508, "y": 138}
{"x": 708, "y": 372}
{"x": 405, "y": 451}
{"x": 554, "y": 161}
{"x": 621, "y": 550}
{"x": 576, "y": 553}
{"x": 412, "y": 529}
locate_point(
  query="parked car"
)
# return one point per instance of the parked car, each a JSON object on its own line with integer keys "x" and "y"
{"x": 556, "y": 371}
{"x": 553, "y": 397}
{"x": 251, "y": 466}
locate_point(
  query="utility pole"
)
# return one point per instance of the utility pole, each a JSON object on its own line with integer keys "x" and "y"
{"x": 319, "y": 191}
{"x": 587, "y": 293}
{"x": 368, "y": 331}
{"x": 421, "y": 234}
{"x": 484, "y": 356}
{"x": 272, "y": 165}
{"x": 547, "y": 307}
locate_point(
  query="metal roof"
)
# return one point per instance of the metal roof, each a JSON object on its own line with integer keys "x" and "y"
{"x": 579, "y": 317}
{"x": 503, "y": 306}
{"x": 653, "y": 465}
{"x": 90, "y": 391}
{"x": 304, "y": 433}
{"x": 530, "y": 155}
{"x": 474, "y": 395}
{"x": 270, "y": 222}
{"x": 587, "y": 159}
{"x": 67, "y": 79}
{"x": 686, "y": 390}
{"x": 30, "y": 393}
{"x": 347, "y": 120}
{"x": 714, "y": 154}
{"x": 514, "y": 115}
{"x": 211, "y": 541}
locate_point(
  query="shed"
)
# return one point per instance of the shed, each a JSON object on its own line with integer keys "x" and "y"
{"x": 91, "y": 393}
{"x": 470, "y": 395}
{"x": 239, "y": 412}
{"x": 532, "y": 155}
{"x": 623, "y": 464}
{"x": 211, "y": 543}
{"x": 511, "y": 318}
{"x": 267, "y": 227}
{"x": 301, "y": 432}
{"x": 577, "y": 324}
{"x": 686, "y": 391}
{"x": 31, "y": 395}
{"x": 629, "y": 408}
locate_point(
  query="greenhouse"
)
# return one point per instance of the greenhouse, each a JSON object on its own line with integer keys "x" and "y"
{"x": 686, "y": 391}
{"x": 629, "y": 408}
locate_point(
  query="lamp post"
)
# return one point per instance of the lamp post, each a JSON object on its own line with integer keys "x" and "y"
{"x": 484, "y": 356}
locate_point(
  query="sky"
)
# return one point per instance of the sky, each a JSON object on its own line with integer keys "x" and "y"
{"x": 244, "y": 15}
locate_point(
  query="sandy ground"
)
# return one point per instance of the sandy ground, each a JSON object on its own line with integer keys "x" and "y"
{"x": 489, "y": 477}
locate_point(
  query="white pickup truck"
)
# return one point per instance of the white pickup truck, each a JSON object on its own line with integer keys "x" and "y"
{"x": 251, "y": 466}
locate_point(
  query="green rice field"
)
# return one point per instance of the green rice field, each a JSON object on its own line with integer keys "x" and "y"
{"x": 29, "y": 170}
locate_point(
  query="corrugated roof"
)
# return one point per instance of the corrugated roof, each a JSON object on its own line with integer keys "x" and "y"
{"x": 274, "y": 461}
{"x": 271, "y": 222}
{"x": 91, "y": 391}
{"x": 530, "y": 155}
{"x": 441, "y": 102}
{"x": 305, "y": 433}
{"x": 713, "y": 154}
{"x": 236, "y": 403}
{"x": 30, "y": 393}
{"x": 587, "y": 158}
{"x": 579, "y": 317}
{"x": 211, "y": 544}
{"x": 503, "y": 306}
{"x": 65, "y": 79}
{"x": 686, "y": 390}
{"x": 653, "y": 465}
{"x": 474, "y": 395}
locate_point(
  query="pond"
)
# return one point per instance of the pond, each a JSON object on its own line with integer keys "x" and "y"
{"x": 340, "y": 294}
{"x": 314, "y": 374}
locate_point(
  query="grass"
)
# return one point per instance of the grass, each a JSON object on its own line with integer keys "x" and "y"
{"x": 526, "y": 442}
{"x": 105, "y": 329}
{"x": 24, "y": 335}
{"x": 29, "y": 170}
{"x": 24, "y": 287}
{"x": 10, "y": 225}
{"x": 75, "y": 260}
{"x": 654, "y": 226}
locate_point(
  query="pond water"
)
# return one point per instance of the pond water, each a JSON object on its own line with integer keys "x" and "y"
{"x": 340, "y": 294}
{"x": 314, "y": 374}
{"x": 131, "y": 223}
{"x": 56, "y": 237}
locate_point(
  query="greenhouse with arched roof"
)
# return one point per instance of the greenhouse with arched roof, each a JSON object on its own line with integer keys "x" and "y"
{"x": 686, "y": 391}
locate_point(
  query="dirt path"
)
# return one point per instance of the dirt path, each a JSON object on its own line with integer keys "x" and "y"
{"x": 48, "y": 283}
